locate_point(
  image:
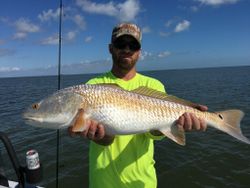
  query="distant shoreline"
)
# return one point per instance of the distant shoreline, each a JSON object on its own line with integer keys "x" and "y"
{"x": 153, "y": 70}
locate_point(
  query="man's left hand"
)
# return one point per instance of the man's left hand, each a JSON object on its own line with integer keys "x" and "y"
{"x": 190, "y": 122}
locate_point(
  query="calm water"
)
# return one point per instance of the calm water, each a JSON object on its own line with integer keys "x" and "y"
{"x": 210, "y": 159}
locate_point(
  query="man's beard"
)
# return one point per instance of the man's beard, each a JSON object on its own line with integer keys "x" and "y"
{"x": 123, "y": 63}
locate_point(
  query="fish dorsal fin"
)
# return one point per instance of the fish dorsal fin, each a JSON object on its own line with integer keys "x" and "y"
{"x": 161, "y": 95}
{"x": 178, "y": 100}
{"x": 110, "y": 85}
{"x": 150, "y": 92}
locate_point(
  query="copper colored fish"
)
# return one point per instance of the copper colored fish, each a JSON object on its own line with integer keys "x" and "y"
{"x": 126, "y": 112}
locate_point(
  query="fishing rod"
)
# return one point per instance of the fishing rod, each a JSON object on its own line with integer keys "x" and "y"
{"x": 59, "y": 87}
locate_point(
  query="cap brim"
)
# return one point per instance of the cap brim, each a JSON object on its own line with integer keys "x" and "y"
{"x": 126, "y": 34}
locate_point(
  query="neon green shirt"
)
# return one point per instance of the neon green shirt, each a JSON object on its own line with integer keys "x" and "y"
{"x": 128, "y": 162}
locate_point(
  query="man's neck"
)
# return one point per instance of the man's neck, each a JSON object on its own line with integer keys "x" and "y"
{"x": 124, "y": 74}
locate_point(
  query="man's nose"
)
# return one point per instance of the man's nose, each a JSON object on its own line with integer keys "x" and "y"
{"x": 127, "y": 49}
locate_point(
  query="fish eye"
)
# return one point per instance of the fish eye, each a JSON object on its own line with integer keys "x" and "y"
{"x": 35, "y": 106}
{"x": 220, "y": 116}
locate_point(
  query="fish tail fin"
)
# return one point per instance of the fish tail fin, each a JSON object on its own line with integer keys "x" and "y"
{"x": 175, "y": 133}
{"x": 231, "y": 125}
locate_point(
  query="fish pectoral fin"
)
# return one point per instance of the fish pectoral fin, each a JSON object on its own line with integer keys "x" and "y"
{"x": 175, "y": 133}
{"x": 78, "y": 123}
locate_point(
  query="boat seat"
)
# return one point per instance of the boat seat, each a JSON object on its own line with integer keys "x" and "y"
{"x": 4, "y": 181}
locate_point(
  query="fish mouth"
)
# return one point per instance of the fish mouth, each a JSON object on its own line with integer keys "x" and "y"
{"x": 39, "y": 122}
{"x": 29, "y": 117}
{"x": 31, "y": 120}
{"x": 36, "y": 121}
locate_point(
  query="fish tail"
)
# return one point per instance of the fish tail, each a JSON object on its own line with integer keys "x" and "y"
{"x": 231, "y": 124}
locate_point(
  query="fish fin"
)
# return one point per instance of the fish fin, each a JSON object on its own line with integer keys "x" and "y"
{"x": 175, "y": 133}
{"x": 143, "y": 90}
{"x": 178, "y": 100}
{"x": 163, "y": 96}
{"x": 78, "y": 123}
{"x": 110, "y": 85}
{"x": 231, "y": 124}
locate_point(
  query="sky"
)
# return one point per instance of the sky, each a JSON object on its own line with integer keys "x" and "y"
{"x": 177, "y": 34}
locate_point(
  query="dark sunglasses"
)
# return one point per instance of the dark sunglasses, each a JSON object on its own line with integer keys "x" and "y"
{"x": 122, "y": 44}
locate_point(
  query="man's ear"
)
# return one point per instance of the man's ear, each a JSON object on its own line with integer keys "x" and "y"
{"x": 140, "y": 53}
{"x": 111, "y": 48}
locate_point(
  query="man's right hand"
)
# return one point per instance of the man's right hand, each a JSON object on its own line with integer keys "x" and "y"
{"x": 93, "y": 131}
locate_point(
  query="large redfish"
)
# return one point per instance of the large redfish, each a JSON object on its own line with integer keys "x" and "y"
{"x": 126, "y": 112}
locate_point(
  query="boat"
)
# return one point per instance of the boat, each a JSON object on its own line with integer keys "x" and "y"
{"x": 26, "y": 177}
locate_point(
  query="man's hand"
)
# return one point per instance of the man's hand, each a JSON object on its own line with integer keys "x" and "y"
{"x": 93, "y": 131}
{"x": 190, "y": 122}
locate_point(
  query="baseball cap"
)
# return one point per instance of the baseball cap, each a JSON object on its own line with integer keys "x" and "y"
{"x": 127, "y": 29}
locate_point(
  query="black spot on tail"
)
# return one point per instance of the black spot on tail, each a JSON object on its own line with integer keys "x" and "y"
{"x": 35, "y": 106}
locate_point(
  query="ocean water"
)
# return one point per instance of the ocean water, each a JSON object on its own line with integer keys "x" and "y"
{"x": 209, "y": 159}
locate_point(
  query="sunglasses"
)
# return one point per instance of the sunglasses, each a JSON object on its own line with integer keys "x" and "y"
{"x": 123, "y": 44}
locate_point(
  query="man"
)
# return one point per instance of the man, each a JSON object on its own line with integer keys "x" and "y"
{"x": 127, "y": 161}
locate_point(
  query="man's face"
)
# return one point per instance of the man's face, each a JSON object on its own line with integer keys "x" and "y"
{"x": 125, "y": 52}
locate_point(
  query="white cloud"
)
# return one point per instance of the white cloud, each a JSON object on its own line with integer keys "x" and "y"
{"x": 164, "y": 34}
{"x": 9, "y": 69}
{"x": 79, "y": 21}
{"x": 25, "y": 26}
{"x": 148, "y": 55}
{"x": 52, "y": 40}
{"x": 144, "y": 55}
{"x": 214, "y": 3}
{"x": 71, "y": 35}
{"x": 126, "y": 11}
{"x": 97, "y": 8}
{"x": 182, "y": 26}
{"x": 217, "y": 2}
{"x": 173, "y": 26}
{"x": 194, "y": 8}
{"x": 164, "y": 54}
{"x": 88, "y": 39}
{"x": 146, "y": 29}
{"x": 169, "y": 22}
{"x": 49, "y": 15}
{"x": 54, "y": 15}
{"x": 172, "y": 21}
{"x": 19, "y": 35}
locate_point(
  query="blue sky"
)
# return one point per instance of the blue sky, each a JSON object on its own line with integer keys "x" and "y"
{"x": 176, "y": 34}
